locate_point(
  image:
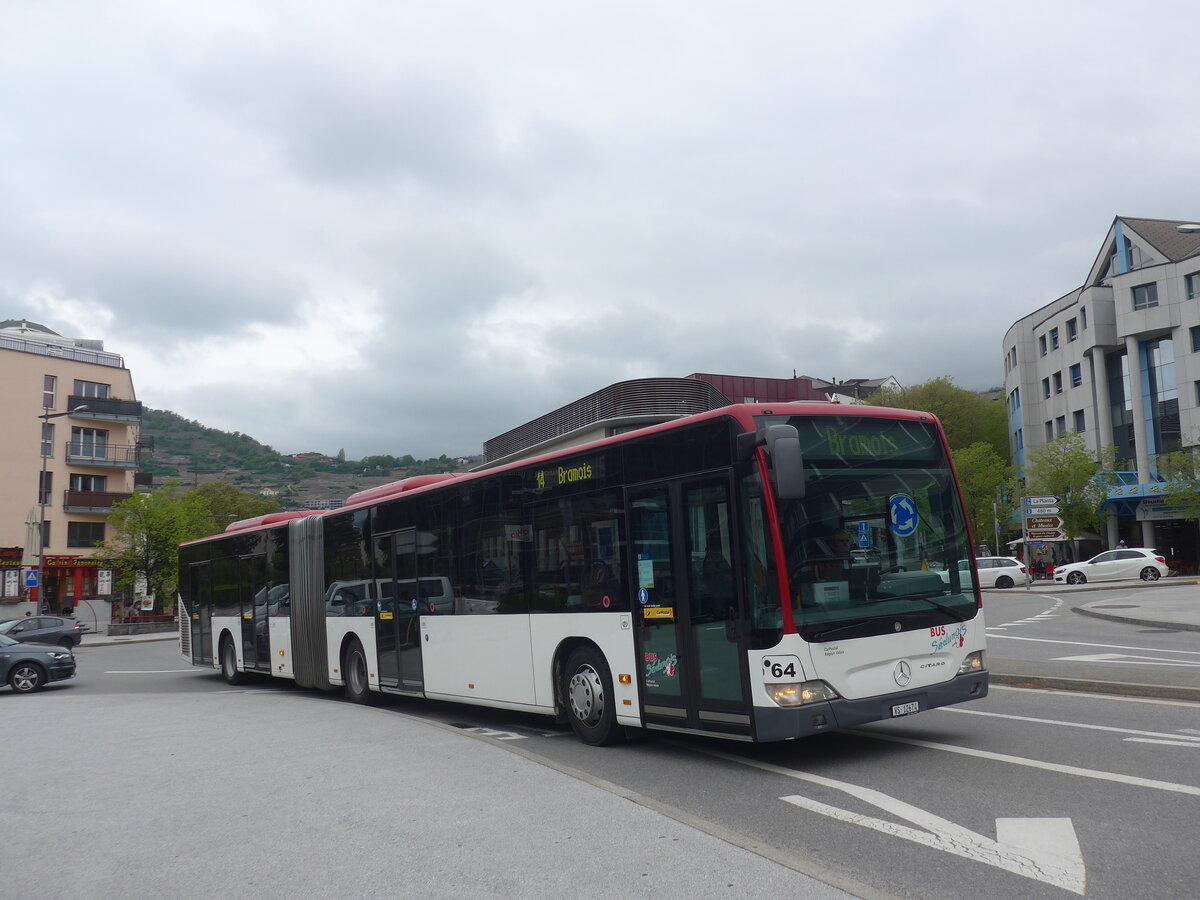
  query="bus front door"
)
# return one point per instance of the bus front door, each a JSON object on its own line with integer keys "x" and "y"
{"x": 687, "y": 612}
{"x": 201, "y": 612}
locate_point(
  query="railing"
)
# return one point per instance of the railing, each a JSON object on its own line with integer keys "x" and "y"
{"x": 91, "y": 501}
{"x": 121, "y": 456}
{"x": 142, "y": 624}
{"x": 105, "y": 408}
{"x": 42, "y": 348}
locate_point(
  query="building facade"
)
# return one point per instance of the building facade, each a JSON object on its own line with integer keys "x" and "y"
{"x": 69, "y": 450}
{"x": 629, "y": 405}
{"x": 1117, "y": 360}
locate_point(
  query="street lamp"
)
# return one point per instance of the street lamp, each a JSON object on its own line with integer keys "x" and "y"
{"x": 46, "y": 416}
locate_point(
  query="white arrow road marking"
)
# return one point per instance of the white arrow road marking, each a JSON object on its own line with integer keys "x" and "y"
{"x": 1130, "y": 660}
{"x": 493, "y": 733}
{"x": 1042, "y": 849}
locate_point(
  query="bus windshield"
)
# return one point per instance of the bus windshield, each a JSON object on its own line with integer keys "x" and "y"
{"x": 874, "y": 544}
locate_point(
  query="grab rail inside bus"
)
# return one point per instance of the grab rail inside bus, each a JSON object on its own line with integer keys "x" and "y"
{"x": 782, "y": 443}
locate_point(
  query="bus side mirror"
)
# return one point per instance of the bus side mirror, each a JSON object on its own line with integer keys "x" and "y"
{"x": 783, "y": 447}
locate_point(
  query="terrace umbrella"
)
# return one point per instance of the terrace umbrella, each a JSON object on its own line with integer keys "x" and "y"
{"x": 33, "y": 539}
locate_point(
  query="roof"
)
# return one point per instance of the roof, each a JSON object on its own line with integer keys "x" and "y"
{"x": 1165, "y": 237}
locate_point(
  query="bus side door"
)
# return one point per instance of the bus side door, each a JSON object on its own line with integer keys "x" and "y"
{"x": 688, "y": 606}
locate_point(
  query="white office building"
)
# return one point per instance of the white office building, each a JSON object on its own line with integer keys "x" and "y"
{"x": 1118, "y": 360}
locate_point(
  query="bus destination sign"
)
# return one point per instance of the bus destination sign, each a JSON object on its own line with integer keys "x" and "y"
{"x": 576, "y": 473}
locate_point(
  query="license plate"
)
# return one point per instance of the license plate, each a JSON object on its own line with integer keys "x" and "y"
{"x": 905, "y": 709}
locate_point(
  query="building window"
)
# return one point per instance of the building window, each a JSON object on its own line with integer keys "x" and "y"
{"x": 89, "y": 483}
{"x": 1020, "y": 438}
{"x": 1072, "y": 329}
{"x": 45, "y": 534}
{"x": 84, "y": 534}
{"x": 49, "y": 388}
{"x": 1079, "y": 429}
{"x": 48, "y": 440}
{"x": 1053, "y": 338}
{"x": 1049, "y": 432}
{"x": 1145, "y": 296}
{"x": 1013, "y": 354}
{"x": 1196, "y": 384}
{"x": 1193, "y": 285}
{"x": 1083, "y": 317}
{"x": 45, "y": 487}
{"x": 1194, "y": 331}
{"x": 1076, "y": 375}
{"x": 1042, "y": 344}
{"x": 1058, "y": 382}
{"x": 89, "y": 443}
{"x": 1046, "y": 388}
{"x": 91, "y": 389}
{"x": 1060, "y": 426}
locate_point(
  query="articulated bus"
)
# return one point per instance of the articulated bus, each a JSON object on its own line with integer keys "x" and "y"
{"x": 757, "y": 572}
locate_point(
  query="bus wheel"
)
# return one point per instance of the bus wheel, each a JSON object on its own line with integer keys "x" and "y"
{"x": 358, "y": 684}
{"x": 229, "y": 669}
{"x": 588, "y": 695}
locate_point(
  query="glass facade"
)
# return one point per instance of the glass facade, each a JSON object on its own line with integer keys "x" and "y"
{"x": 1121, "y": 408}
{"x": 1163, "y": 394}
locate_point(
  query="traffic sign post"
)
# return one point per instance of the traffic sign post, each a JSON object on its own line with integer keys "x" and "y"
{"x": 1041, "y": 522}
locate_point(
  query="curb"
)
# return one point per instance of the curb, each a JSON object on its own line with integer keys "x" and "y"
{"x": 1132, "y": 620}
{"x": 1122, "y": 688}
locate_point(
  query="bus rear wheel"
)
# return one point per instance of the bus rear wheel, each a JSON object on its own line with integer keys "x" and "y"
{"x": 358, "y": 683}
{"x": 587, "y": 693}
{"x": 229, "y": 669}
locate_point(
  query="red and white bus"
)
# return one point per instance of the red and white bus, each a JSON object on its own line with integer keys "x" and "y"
{"x": 757, "y": 572}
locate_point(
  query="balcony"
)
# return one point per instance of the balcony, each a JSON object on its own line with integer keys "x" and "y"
{"x": 105, "y": 410}
{"x": 110, "y": 456}
{"x": 97, "y": 502}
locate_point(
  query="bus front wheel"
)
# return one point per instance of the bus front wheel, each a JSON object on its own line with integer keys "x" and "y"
{"x": 358, "y": 684}
{"x": 588, "y": 696}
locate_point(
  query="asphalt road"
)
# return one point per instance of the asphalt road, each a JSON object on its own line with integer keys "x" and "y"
{"x": 175, "y": 784}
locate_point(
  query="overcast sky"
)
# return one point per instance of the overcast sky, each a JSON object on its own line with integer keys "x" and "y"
{"x": 406, "y": 227}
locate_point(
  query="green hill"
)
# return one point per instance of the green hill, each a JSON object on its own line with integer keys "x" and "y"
{"x": 192, "y": 453}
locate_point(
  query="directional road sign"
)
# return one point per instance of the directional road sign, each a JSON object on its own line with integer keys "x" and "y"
{"x": 1048, "y": 534}
{"x": 1043, "y": 522}
{"x": 1040, "y": 501}
{"x": 1041, "y": 511}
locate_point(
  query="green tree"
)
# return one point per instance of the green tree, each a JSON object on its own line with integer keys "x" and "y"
{"x": 1065, "y": 468}
{"x": 986, "y": 479}
{"x": 225, "y": 504}
{"x": 147, "y": 530}
{"x": 1181, "y": 476}
{"x": 966, "y": 416}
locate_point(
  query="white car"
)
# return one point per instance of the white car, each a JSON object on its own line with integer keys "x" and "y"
{"x": 1114, "y": 565}
{"x": 994, "y": 572}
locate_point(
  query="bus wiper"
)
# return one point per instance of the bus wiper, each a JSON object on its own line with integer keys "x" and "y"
{"x": 869, "y": 625}
{"x": 953, "y": 613}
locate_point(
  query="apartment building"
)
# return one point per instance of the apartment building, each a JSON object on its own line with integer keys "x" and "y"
{"x": 69, "y": 449}
{"x": 1118, "y": 361}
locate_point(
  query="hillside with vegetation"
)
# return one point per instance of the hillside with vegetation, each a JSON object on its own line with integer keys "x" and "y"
{"x": 194, "y": 454}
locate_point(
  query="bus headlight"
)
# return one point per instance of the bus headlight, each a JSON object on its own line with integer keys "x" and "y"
{"x": 972, "y": 664}
{"x": 801, "y": 694}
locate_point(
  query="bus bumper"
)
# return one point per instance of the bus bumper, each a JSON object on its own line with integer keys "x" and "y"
{"x": 784, "y": 724}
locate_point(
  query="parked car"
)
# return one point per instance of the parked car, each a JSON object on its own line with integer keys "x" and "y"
{"x": 994, "y": 571}
{"x": 1115, "y": 565}
{"x": 61, "y": 630}
{"x": 30, "y": 667}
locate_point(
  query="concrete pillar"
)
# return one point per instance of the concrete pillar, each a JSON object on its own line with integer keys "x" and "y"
{"x": 1147, "y": 534}
{"x": 1112, "y": 531}
{"x": 1137, "y": 390}
{"x": 1102, "y": 421}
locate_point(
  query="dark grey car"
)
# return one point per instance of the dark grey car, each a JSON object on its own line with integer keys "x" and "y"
{"x": 61, "y": 630}
{"x": 30, "y": 667}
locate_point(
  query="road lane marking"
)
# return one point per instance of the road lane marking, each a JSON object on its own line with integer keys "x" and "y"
{"x": 1013, "y": 637}
{"x": 1045, "y": 850}
{"x": 1131, "y": 780}
{"x": 1037, "y": 721}
{"x": 1175, "y": 743}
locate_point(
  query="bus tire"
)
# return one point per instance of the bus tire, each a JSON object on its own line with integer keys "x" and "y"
{"x": 588, "y": 697}
{"x": 229, "y": 669}
{"x": 358, "y": 683}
